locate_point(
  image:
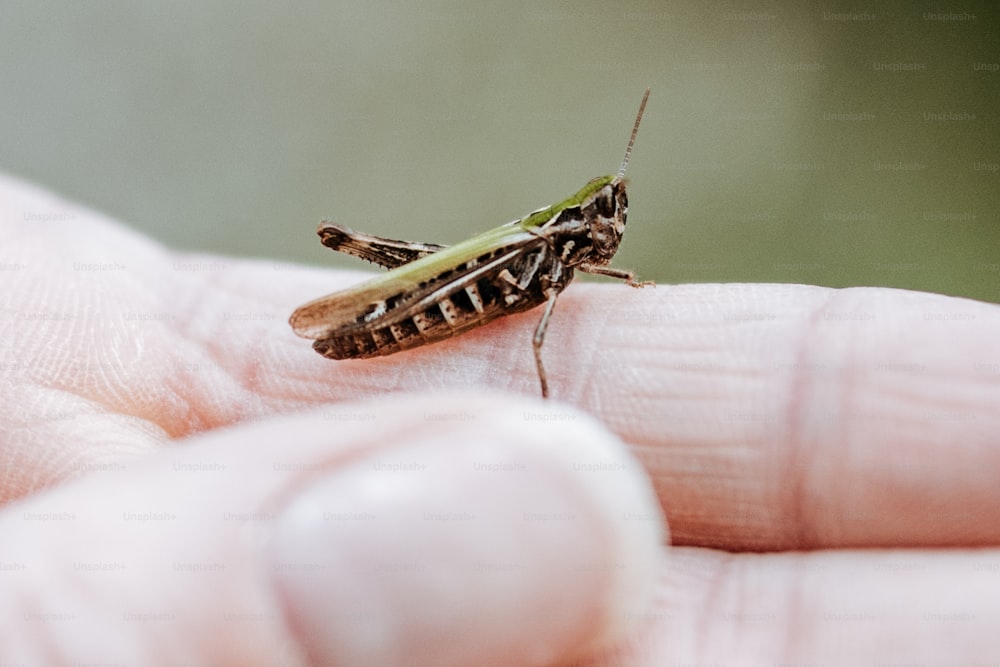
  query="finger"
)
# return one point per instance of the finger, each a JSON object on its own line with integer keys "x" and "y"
{"x": 372, "y": 534}
{"x": 846, "y": 608}
{"x": 769, "y": 416}
{"x": 777, "y": 417}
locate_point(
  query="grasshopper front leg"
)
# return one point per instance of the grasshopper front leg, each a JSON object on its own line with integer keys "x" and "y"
{"x": 620, "y": 274}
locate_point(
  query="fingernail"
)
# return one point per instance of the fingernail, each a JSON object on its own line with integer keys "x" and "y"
{"x": 467, "y": 547}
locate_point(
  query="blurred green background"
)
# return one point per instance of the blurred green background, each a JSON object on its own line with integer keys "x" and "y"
{"x": 827, "y": 143}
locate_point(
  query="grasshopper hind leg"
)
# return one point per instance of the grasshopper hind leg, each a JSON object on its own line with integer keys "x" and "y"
{"x": 384, "y": 252}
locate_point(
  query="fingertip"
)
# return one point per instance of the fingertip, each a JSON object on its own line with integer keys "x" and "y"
{"x": 523, "y": 531}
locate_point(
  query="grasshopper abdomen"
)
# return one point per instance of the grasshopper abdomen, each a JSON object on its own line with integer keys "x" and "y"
{"x": 515, "y": 287}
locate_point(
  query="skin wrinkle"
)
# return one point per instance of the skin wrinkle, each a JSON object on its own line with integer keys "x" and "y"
{"x": 843, "y": 441}
{"x": 246, "y": 373}
{"x": 795, "y": 634}
{"x": 119, "y": 398}
{"x": 195, "y": 418}
{"x": 728, "y": 594}
{"x": 796, "y": 416}
{"x": 712, "y": 602}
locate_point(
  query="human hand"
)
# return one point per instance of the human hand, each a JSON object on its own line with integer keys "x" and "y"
{"x": 769, "y": 418}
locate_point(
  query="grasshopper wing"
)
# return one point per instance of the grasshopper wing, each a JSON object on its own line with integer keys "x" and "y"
{"x": 393, "y": 296}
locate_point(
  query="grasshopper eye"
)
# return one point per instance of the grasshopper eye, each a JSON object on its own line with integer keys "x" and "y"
{"x": 605, "y": 203}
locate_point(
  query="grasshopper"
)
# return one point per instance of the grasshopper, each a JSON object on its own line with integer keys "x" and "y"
{"x": 433, "y": 292}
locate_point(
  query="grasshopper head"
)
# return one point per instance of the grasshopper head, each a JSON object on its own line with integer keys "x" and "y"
{"x": 606, "y": 210}
{"x": 605, "y": 214}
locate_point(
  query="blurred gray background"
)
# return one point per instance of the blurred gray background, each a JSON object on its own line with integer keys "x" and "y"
{"x": 827, "y": 143}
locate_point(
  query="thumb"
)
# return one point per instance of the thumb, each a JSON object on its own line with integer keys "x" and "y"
{"x": 376, "y": 533}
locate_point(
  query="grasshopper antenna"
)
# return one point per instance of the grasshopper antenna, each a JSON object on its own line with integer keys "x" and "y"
{"x": 635, "y": 129}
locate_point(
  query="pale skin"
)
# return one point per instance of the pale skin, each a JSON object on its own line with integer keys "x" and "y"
{"x": 828, "y": 462}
